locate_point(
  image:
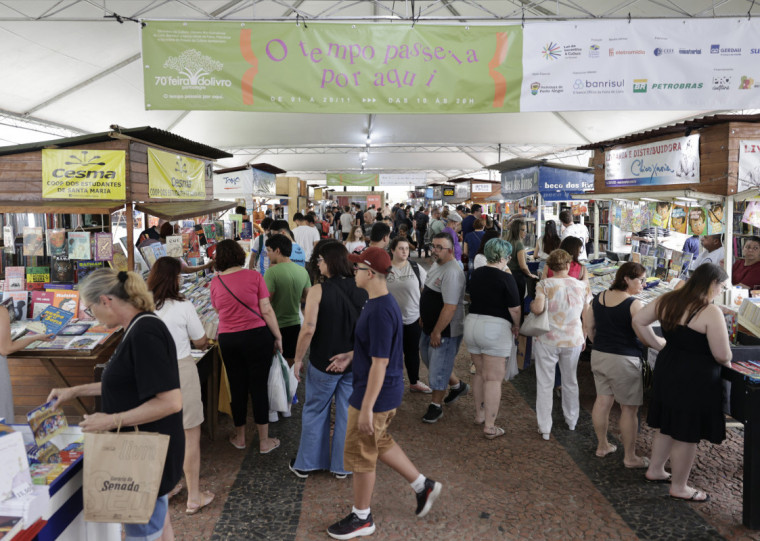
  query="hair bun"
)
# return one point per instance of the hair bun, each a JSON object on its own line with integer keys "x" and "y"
{"x": 122, "y": 276}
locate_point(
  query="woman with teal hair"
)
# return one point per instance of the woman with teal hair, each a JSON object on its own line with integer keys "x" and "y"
{"x": 490, "y": 330}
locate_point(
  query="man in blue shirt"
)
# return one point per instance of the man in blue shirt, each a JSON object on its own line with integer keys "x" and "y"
{"x": 297, "y": 255}
{"x": 378, "y": 386}
{"x": 468, "y": 222}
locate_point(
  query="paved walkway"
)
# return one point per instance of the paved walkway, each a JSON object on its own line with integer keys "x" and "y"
{"x": 514, "y": 487}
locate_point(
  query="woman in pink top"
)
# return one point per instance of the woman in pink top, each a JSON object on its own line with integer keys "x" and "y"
{"x": 572, "y": 245}
{"x": 248, "y": 336}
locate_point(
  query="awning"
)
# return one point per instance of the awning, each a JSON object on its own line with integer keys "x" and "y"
{"x": 178, "y": 210}
{"x": 62, "y": 206}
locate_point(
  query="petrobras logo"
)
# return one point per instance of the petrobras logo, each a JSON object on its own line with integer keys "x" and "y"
{"x": 676, "y": 86}
{"x": 721, "y": 82}
{"x": 725, "y": 51}
{"x": 551, "y": 51}
{"x": 639, "y": 86}
{"x": 659, "y": 51}
{"x": 593, "y": 51}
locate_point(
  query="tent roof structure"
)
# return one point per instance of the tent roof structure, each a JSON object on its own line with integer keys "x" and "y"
{"x": 72, "y": 68}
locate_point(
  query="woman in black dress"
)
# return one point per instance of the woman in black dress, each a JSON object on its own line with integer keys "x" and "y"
{"x": 686, "y": 404}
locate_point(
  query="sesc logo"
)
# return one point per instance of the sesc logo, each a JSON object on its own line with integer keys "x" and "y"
{"x": 194, "y": 69}
{"x": 551, "y": 51}
{"x": 593, "y": 51}
{"x": 639, "y": 86}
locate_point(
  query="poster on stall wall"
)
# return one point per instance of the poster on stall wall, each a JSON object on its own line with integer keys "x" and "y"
{"x": 175, "y": 176}
{"x": 752, "y": 214}
{"x": 33, "y": 245}
{"x": 749, "y": 165}
{"x": 675, "y": 161}
{"x": 636, "y": 224}
{"x": 660, "y": 214}
{"x": 678, "y": 217}
{"x": 715, "y": 219}
{"x": 697, "y": 221}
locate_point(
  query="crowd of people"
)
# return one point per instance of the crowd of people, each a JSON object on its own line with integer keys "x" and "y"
{"x": 349, "y": 310}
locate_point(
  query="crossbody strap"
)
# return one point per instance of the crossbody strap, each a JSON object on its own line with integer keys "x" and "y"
{"x": 235, "y": 297}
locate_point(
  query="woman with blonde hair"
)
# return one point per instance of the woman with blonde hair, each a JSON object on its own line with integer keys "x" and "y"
{"x": 140, "y": 384}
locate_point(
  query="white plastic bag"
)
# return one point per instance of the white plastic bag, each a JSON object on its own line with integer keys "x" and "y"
{"x": 278, "y": 384}
{"x": 512, "y": 370}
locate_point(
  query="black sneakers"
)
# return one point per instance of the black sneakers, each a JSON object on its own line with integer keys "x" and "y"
{"x": 427, "y": 497}
{"x": 299, "y": 473}
{"x": 433, "y": 414}
{"x": 454, "y": 394}
{"x": 352, "y": 526}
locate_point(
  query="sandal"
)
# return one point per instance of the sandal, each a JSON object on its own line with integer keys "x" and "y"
{"x": 207, "y": 498}
{"x": 498, "y": 431}
{"x": 693, "y": 498}
{"x": 235, "y": 445}
{"x": 275, "y": 446}
{"x": 663, "y": 480}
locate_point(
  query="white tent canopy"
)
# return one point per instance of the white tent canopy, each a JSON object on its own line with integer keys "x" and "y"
{"x": 71, "y": 68}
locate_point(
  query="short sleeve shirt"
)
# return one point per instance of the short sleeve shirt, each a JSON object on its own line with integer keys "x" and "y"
{"x": 404, "y": 285}
{"x": 183, "y": 323}
{"x": 514, "y": 264}
{"x": 286, "y": 283}
{"x": 306, "y": 236}
{"x": 250, "y": 288}
{"x": 444, "y": 285}
{"x": 493, "y": 292}
{"x": 379, "y": 333}
{"x": 580, "y": 231}
{"x": 565, "y": 300}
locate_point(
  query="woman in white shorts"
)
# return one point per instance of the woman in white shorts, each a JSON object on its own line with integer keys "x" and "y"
{"x": 616, "y": 361}
{"x": 489, "y": 331}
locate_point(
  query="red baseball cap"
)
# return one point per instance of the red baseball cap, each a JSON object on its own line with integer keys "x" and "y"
{"x": 375, "y": 258}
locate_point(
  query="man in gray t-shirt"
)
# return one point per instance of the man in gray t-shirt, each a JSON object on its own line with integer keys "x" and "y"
{"x": 442, "y": 319}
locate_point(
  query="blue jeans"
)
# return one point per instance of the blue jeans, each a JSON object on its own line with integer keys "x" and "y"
{"x": 440, "y": 360}
{"x": 155, "y": 526}
{"x": 314, "y": 448}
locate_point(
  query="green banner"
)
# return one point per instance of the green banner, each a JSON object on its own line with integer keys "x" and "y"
{"x": 353, "y": 179}
{"x": 331, "y": 68}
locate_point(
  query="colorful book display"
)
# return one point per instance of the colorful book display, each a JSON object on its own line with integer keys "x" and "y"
{"x": 103, "y": 247}
{"x": 79, "y": 245}
{"x": 33, "y": 245}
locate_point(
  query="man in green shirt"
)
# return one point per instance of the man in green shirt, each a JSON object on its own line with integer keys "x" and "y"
{"x": 288, "y": 283}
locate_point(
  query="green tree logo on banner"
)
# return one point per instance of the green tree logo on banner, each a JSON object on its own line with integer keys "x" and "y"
{"x": 193, "y": 64}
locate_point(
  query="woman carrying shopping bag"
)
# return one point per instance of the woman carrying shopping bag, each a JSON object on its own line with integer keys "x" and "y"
{"x": 140, "y": 384}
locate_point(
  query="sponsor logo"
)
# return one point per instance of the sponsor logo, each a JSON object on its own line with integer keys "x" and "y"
{"x": 551, "y": 51}
{"x": 639, "y": 86}
{"x": 194, "y": 69}
{"x": 715, "y": 48}
{"x": 538, "y": 88}
{"x": 591, "y": 86}
{"x": 746, "y": 83}
{"x": 80, "y": 165}
{"x": 659, "y": 51}
{"x": 626, "y": 52}
{"x": 721, "y": 82}
{"x": 593, "y": 51}
{"x": 676, "y": 86}
{"x": 572, "y": 51}
{"x": 689, "y": 51}
{"x": 754, "y": 51}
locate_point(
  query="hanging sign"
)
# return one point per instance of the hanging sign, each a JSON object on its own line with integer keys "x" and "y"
{"x": 519, "y": 183}
{"x": 675, "y": 161}
{"x": 485, "y": 187}
{"x": 448, "y": 191}
{"x": 83, "y": 174}
{"x": 749, "y": 164}
{"x": 175, "y": 176}
{"x": 233, "y": 184}
{"x": 352, "y": 179}
{"x": 374, "y": 199}
{"x": 402, "y": 179}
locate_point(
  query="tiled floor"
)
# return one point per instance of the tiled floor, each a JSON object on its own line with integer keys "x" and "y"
{"x": 515, "y": 487}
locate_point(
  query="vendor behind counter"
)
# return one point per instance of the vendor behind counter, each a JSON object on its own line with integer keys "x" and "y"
{"x": 746, "y": 272}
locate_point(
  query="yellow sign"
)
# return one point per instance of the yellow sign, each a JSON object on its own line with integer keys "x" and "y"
{"x": 174, "y": 176}
{"x": 83, "y": 174}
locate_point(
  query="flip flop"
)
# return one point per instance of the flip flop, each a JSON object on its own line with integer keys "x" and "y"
{"x": 612, "y": 449}
{"x": 176, "y": 490}
{"x": 664, "y": 480}
{"x": 275, "y": 446}
{"x": 693, "y": 498}
{"x": 498, "y": 432}
{"x": 208, "y": 497}
{"x": 235, "y": 445}
{"x": 644, "y": 464}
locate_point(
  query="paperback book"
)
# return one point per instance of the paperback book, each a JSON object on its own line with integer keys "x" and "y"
{"x": 54, "y": 319}
{"x": 33, "y": 245}
{"x": 103, "y": 247}
{"x": 174, "y": 246}
{"x": 37, "y": 274}
{"x": 20, "y": 303}
{"x": 57, "y": 242}
{"x": 40, "y": 301}
{"x": 9, "y": 239}
{"x": 45, "y": 422}
{"x": 15, "y": 279}
{"x": 62, "y": 271}
{"x": 79, "y": 245}
{"x": 66, "y": 300}
{"x": 84, "y": 268}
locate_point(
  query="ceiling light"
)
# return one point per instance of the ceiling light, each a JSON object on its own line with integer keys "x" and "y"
{"x": 689, "y": 199}
{"x": 650, "y": 199}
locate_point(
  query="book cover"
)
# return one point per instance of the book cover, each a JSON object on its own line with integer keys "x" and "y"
{"x": 79, "y": 245}
{"x": 59, "y": 342}
{"x": 86, "y": 267}
{"x": 678, "y": 219}
{"x": 20, "y": 303}
{"x": 40, "y": 301}
{"x": 37, "y": 274}
{"x": 194, "y": 249}
{"x": 33, "y": 245}
{"x": 62, "y": 271}
{"x": 54, "y": 319}
{"x": 201, "y": 235}
{"x": 119, "y": 261}
{"x": 715, "y": 219}
{"x": 247, "y": 232}
{"x": 103, "y": 247}
{"x": 57, "y": 242}
{"x": 87, "y": 341}
{"x": 219, "y": 230}
{"x": 158, "y": 250}
{"x": 46, "y": 421}
{"x": 15, "y": 279}
{"x": 149, "y": 255}
{"x": 66, "y": 300}
{"x": 174, "y": 246}
{"x": 209, "y": 229}
{"x": 74, "y": 329}
{"x": 9, "y": 239}
{"x": 51, "y": 286}
{"x": 236, "y": 221}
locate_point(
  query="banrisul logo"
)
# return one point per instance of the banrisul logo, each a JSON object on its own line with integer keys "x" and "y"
{"x": 195, "y": 71}
{"x": 551, "y": 51}
{"x": 83, "y": 165}
{"x": 639, "y": 86}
